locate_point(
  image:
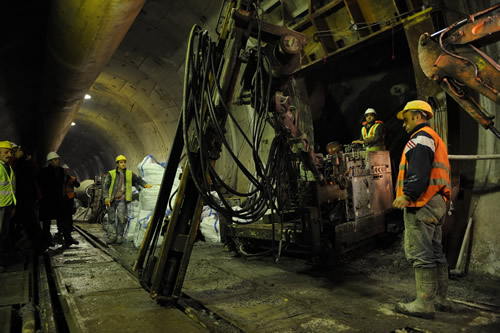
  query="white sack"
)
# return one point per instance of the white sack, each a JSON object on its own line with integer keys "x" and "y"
{"x": 210, "y": 228}
{"x": 151, "y": 170}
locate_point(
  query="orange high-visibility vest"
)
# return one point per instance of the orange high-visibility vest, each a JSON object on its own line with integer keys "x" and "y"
{"x": 372, "y": 130}
{"x": 69, "y": 189}
{"x": 439, "y": 180}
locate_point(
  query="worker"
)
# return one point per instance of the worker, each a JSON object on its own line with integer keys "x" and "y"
{"x": 68, "y": 205}
{"x": 7, "y": 196}
{"x": 15, "y": 228}
{"x": 27, "y": 194}
{"x": 51, "y": 180}
{"x": 372, "y": 133}
{"x": 117, "y": 192}
{"x": 423, "y": 188}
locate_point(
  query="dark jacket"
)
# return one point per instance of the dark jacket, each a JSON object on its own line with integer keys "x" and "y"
{"x": 27, "y": 189}
{"x": 420, "y": 157}
{"x": 51, "y": 182}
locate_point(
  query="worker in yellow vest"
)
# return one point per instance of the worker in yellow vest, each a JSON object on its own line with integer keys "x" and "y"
{"x": 27, "y": 194}
{"x": 372, "y": 133}
{"x": 117, "y": 192}
{"x": 7, "y": 196}
{"x": 423, "y": 188}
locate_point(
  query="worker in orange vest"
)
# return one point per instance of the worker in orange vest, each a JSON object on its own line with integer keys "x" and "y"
{"x": 423, "y": 189}
{"x": 70, "y": 183}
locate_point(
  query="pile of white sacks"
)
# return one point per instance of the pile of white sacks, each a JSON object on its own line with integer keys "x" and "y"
{"x": 140, "y": 211}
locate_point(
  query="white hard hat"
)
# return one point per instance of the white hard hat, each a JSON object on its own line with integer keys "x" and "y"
{"x": 370, "y": 110}
{"x": 52, "y": 155}
{"x": 14, "y": 145}
{"x": 65, "y": 166}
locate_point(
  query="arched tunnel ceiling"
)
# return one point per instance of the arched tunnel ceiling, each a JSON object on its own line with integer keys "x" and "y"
{"x": 136, "y": 99}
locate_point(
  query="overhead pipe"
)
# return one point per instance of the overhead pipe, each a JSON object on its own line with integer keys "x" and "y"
{"x": 474, "y": 157}
{"x": 82, "y": 37}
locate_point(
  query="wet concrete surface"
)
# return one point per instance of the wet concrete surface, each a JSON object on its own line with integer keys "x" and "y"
{"x": 358, "y": 295}
{"x": 97, "y": 294}
{"x": 5, "y": 318}
{"x": 14, "y": 288}
{"x": 17, "y": 293}
{"x": 289, "y": 296}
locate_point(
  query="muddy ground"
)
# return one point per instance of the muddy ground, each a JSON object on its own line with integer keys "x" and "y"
{"x": 257, "y": 294}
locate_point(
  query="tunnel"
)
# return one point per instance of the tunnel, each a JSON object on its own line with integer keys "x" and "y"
{"x": 94, "y": 79}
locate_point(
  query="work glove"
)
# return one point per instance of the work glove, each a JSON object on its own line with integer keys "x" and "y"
{"x": 107, "y": 202}
{"x": 147, "y": 186}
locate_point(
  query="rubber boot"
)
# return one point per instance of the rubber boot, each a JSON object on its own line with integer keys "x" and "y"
{"x": 442, "y": 303}
{"x": 423, "y": 305}
{"x": 70, "y": 241}
{"x": 110, "y": 240}
{"x": 111, "y": 235}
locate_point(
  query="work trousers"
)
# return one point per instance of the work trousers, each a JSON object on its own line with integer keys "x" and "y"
{"x": 26, "y": 216}
{"x": 66, "y": 224}
{"x": 5, "y": 220}
{"x": 61, "y": 228}
{"x": 422, "y": 238}
{"x": 117, "y": 218}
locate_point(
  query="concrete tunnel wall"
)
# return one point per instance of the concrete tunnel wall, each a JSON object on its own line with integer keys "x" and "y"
{"x": 485, "y": 193}
{"x": 136, "y": 99}
{"x": 479, "y": 180}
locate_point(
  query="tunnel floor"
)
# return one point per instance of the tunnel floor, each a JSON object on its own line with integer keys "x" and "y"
{"x": 94, "y": 290}
{"x": 257, "y": 294}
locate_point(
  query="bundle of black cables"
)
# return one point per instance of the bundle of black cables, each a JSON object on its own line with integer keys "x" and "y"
{"x": 204, "y": 135}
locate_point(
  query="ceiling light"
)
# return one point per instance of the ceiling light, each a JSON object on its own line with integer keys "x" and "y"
{"x": 87, "y": 96}
{"x": 73, "y": 123}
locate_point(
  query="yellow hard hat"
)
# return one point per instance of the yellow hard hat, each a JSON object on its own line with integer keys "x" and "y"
{"x": 120, "y": 158}
{"x": 416, "y": 105}
{"x": 5, "y": 144}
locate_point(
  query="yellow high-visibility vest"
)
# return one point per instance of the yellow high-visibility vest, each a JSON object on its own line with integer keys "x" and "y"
{"x": 7, "y": 186}
{"x": 128, "y": 184}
